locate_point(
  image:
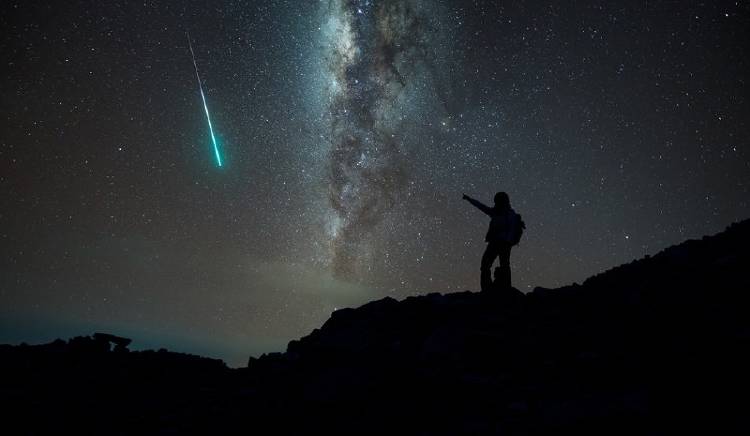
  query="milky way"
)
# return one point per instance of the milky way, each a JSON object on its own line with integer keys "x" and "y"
{"x": 372, "y": 54}
{"x": 352, "y": 128}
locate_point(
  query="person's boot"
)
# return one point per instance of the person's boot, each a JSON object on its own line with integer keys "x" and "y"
{"x": 485, "y": 280}
{"x": 506, "y": 278}
{"x": 502, "y": 279}
{"x": 497, "y": 280}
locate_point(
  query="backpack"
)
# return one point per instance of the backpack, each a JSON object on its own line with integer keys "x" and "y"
{"x": 515, "y": 228}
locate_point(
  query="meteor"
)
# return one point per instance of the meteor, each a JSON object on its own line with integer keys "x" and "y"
{"x": 205, "y": 106}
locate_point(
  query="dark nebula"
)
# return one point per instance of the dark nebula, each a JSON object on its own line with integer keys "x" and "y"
{"x": 375, "y": 50}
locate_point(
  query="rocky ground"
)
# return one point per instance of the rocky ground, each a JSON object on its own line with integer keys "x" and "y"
{"x": 657, "y": 346}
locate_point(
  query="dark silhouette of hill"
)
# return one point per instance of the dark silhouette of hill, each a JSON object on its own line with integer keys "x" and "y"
{"x": 656, "y": 346}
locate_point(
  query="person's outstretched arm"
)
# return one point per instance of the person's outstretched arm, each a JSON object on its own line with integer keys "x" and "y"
{"x": 479, "y": 205}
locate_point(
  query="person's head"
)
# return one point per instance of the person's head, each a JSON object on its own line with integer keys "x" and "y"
{"x": 502, "y": 200}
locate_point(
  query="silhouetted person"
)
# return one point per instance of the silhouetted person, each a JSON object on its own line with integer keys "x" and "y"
{"x": 505, "y": 230}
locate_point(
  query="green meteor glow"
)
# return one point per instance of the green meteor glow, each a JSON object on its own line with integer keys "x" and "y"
{"x": 205, "y": 106}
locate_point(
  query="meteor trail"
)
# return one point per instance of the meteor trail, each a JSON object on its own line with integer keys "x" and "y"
{"x": 205, "y": 106}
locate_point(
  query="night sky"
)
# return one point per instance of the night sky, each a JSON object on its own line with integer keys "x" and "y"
{"x": 349, "y": 131}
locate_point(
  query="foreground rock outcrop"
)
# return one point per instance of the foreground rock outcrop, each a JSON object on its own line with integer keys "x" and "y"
{"x": 657, "y": 346}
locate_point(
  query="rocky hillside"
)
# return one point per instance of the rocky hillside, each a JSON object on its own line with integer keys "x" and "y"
{"x": 656, "y": 346}
{"x": 641, "y": 348}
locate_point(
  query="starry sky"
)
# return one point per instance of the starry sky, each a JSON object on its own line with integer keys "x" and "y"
{"x": 349, "y": 130}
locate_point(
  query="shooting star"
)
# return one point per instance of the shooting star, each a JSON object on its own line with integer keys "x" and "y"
{"x": 205, "y": 106}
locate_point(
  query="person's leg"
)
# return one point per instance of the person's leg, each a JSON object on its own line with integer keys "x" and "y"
{"x": 503, "y": 253}
{"x": 488, "y": 258}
